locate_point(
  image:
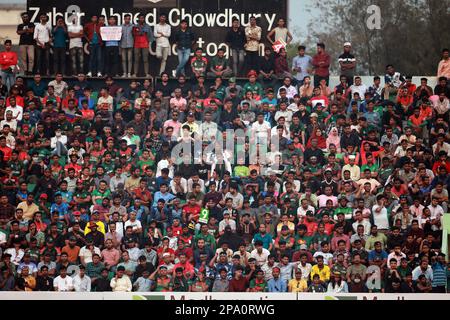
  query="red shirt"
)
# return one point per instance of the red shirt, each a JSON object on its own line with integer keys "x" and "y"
{"x": 322, "y": 69}
{"x": 89, "y": 29}
{"x": 8, "y": 59}
{"x": 140, "y": 40}
{"x": 7, "y": 152}
{"x": 311, "y": 227}
{"x": 194, "y": 212}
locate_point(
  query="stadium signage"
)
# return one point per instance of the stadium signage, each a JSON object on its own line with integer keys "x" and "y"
{"x": 210, "y": 20}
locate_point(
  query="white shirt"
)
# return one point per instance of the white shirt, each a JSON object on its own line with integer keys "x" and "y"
{"x": 82, "y": 284}
{"x": 54, "y": 140}
{"x": 42, "y": 33}
{"x": 17, "y": 112}
{"x": 75, "y": 42}
{"x": 63, "y": 284}
{"x": 261, "y": 259}
{"x": 361, "y": 89}
{"x": 394, "y": 256}
{"x": 436, "y": 213}
{"x": 380, "y": 219}
{"x": 121, "y": 284}
{"x": 16, "y": 257}
{"x": 135, "y": 224}
{"x": 12, "y": 124}
{"x": 2, "y": 237}
{"x": 183, "y": 184}
{"x": 59, "y": 87}
{"x": 366, "y": 225}
{"x": 291, "y": 91}
{"x": 302, "y": 212}
{"x": 261, "y": 129}
{"x": 162, "y": 41}
{"x": 87, "y": 254}
{"x": 326, "y": 256}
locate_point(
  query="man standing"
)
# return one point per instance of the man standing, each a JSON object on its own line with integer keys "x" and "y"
{"x": 185, "y": 39}
{"x": 444, "y": 65}
{"x": 76, "y": 34}
{"x": 143, "y": 37}
{"x": 236, "y": 41}
{"x": 59, "y": 34}
{"x": 42, "y": 37}
{"x": 301, "y": 64}
{"x": 347, "y": 62}
{"x": 8, "y": 63}
{"x": 112, "y": 50}
{"x": 321, "y": 62}
{"x": 253, "y": 35}
{"x": 126, "y": 45}
{"x": 26, "y": 44}
{"x": 162, "y": 34}
{"x": 93, "y": 37}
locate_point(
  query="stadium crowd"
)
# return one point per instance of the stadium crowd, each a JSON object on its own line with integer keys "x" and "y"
{"x": 348, "y": 197}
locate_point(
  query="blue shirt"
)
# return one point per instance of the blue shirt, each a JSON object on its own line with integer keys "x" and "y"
{"x": 276, "y": 285}
{"x": 374, "y": 255}
{"x": 167, "y": 197}
{"x": 62, "y": 209}
{"x": 59, "y": 37}
{"x": 304, "y": 63}
{"x": 266, "y": 240}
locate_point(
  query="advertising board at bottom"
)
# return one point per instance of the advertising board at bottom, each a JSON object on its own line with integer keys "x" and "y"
{"x": 206, "y": 296}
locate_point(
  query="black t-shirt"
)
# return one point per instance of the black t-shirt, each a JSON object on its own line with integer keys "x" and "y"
{"x": 347, "y": 58}
{"x": 26, "y": 38}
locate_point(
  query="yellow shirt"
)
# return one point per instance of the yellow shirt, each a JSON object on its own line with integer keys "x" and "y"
{"x": 323, "y": 273}
{"x": 100, "y": 228}
{"x": 295, "y": 285}
{"x": 28, "y": 210}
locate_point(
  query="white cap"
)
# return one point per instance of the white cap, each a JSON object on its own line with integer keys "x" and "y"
{"x": 347, "y": 44}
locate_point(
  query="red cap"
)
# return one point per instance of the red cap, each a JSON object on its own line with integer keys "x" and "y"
{"x": 252, "y": 73}
{"x": 43, "y": 196}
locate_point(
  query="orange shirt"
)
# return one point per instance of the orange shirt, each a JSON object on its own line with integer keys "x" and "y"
{"x": 72, "y": 253}
{"x": 416, "y": 121}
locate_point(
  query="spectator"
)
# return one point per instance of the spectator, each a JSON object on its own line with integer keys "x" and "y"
{"x": 59, "y": 36}
{"x": 253, "y": 35}
{"x": 321, "y": 63}
{"x": 162, "y": 35}
{"x": 143, "y": 37}
{"x": 8, "y": 65}
{"x": 42, "y": 36}
{"x": 236, "y": 40}
{"x": 26, "y": 44}
{"x": 347, "y": 62}
{"x": 92, "y": 34}
{"x": 112, "y": 50}
{"x": 76, "y": 34}
{"x": 185, "y": 39}
{"x": 302, "y": 65}
{"x": 126, "y": 46}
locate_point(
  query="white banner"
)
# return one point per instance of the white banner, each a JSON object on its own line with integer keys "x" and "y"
{"x": 111, "y": 33}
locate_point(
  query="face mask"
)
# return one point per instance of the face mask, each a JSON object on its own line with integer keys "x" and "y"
{"x": 58, "y": 134}
{"x": 35, "y": 159}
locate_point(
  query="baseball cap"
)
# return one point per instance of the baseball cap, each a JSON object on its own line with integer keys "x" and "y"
{"x": 232, "y": 80}
{"x": 303, "y": 247}
{"x": 347, "y": 44}
{"x": 252, "y": 73}
{"x": 313, "y": 115}
{"x": 43, "y": 196}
